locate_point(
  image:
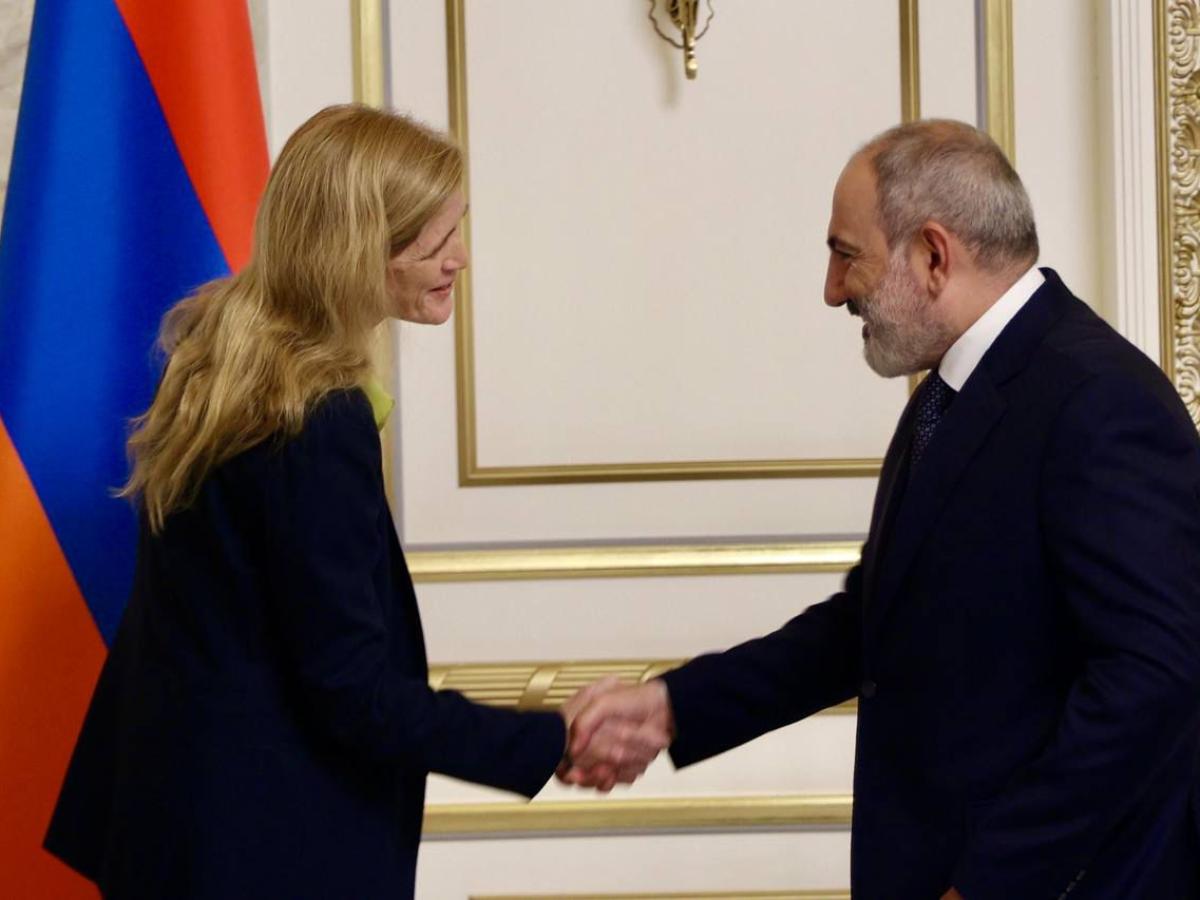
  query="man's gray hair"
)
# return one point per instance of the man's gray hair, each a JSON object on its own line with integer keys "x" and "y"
{"x": 953, "y": 174}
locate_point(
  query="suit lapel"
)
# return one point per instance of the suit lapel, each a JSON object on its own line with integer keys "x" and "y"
{"x": 888, "y": 495}
{"x": 961, "y": 433}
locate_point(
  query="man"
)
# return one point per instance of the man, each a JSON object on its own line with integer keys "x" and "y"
{"x": 1023, "y": 632}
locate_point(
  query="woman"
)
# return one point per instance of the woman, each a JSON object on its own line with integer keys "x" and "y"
{"x": 263, "y": 725}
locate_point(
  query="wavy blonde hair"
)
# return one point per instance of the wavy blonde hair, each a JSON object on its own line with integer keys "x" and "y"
{"x": 249, "y": 355}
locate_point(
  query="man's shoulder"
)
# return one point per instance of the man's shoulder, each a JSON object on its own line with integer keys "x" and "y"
{"x": 1085, "y": 365}
{"x": 1082, "y": 346}
{"x": 1079, "y": 365}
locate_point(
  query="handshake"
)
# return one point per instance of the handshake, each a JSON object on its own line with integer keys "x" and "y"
{"x": 614, "y": 732}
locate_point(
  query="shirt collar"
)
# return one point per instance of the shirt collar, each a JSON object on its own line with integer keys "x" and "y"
{"x": 964, "y": 355}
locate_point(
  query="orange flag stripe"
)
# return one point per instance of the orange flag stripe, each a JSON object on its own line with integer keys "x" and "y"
{"x": 50, "y": 657}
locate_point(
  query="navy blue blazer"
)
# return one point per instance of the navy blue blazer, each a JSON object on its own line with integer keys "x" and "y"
{"x": 263, "y": 725}
{"x": 1023, "y": 635}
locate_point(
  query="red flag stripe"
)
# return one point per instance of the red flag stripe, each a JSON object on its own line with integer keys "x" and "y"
{"x": 200, "y": 59}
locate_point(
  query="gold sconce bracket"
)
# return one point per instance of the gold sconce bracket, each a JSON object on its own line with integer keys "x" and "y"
{"x": 685, "y": 14}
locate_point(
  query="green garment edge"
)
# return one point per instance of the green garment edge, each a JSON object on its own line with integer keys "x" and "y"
{"x": 382, "y": 402}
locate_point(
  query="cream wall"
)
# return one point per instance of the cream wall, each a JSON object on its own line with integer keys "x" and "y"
{"x": 647, "y": 271}
{"x": 15, "y": 19}
{"x": 1057, "y": 59}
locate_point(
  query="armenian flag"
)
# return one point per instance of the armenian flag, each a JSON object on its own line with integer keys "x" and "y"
{"x": 139, "y": 158}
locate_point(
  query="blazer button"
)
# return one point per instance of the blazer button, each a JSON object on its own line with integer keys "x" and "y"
{"x": 868, "y": 689}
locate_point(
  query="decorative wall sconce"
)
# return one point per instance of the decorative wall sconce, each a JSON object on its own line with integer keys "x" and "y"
{"x": 685, "y": 15}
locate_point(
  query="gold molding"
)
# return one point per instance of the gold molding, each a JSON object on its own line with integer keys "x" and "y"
{"x": 910, "y": 87}
{"x": 706, "y": 895}
{"x": 910, "y": 60}
{"x": 999, "y": 108}
{"x": 638, "y": 561}
{"x": 366, "y": 30}
{"x": 1177, "y": 114}
{"x": 471, "y": 474}
{"x": 464, "y": 320}
{"x": 700, "y": 470}
{"x": 545, "y": 686}
{"x": 370, "y": 88}
{"x": 539, "y": 685}
{"x": 459, "y": 820}
{"x": 1162, "y": 168}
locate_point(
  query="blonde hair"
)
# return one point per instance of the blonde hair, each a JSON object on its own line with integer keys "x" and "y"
{"x": 252, "y": 353}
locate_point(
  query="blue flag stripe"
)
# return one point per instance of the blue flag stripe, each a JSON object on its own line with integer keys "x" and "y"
{"x": 102, "y": 232}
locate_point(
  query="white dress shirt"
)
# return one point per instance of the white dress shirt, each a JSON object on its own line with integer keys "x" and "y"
{"x": 964, "y": 355}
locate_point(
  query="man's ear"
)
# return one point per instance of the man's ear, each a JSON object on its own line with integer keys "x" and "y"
{"x": 933, "y": 250}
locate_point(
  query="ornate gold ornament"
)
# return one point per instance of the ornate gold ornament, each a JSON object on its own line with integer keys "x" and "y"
{"x": 685, "y": 15}
{"x": 1177, "y": 63}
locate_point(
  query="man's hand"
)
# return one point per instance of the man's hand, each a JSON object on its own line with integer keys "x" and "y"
{"x": 582, "y": 697}
{"x": 616, "y": 733}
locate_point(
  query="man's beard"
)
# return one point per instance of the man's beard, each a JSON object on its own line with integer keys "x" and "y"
{"x": 903, "y": 335}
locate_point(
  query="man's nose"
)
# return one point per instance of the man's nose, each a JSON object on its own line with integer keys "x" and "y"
{"x": 835, "y": 293}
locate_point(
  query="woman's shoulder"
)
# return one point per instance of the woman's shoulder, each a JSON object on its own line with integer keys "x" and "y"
{"x": 339, "y": 423}
{"x": 339, "y": 420}
{"x": 340, "y": 406}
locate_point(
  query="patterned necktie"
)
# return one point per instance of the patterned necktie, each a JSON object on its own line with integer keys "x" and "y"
{"x": 935, "y": 398}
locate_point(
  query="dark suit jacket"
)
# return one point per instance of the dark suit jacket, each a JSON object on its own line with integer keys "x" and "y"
{"x": 263, "y": 725}
{"x": 1023, "y": 635}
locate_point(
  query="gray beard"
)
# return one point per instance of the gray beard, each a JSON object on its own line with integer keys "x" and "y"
{"x": 904, "y": 337}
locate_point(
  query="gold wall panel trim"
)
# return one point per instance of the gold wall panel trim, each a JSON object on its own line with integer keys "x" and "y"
{"x": 910, "y": 60}
{"x": 706, "y": 895}
{"x": 470, "y": 472}
{"x": 824, "y": 811}
{"x": 366, "y": 30}
{"x": 547, "y": 685}
{"x": 464, "y": 320}
{"x": 637, "y": 561}
{"x": 539, "y": 685}
{"x": 700, "y": 470}
{"x": 1177, "y": 109}
{"x": 999, "y": 109}
{"x": 369, "y": 53}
